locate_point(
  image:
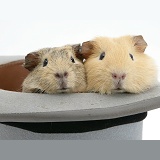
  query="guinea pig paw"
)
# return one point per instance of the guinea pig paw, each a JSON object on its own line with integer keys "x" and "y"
{"x": 36, "y": 90}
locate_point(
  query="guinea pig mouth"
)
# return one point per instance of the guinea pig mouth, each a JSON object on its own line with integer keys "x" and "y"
{"x": 118, "y": 90}
{"x": 118, "y": 86}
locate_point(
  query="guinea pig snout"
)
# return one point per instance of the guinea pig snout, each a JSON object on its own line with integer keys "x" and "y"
{"x": 61, "y": 75}
{"x": 62, "y": 80}
{"x": 118, "y": 79}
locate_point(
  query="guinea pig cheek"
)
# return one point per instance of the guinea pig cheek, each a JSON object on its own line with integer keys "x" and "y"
{"x": 71, "y": 80}
{"x": 98, "y": 76}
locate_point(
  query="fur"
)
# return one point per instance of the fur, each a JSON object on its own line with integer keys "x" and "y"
{"x": 42, "y": 79}
{"x": 141, "y": 74}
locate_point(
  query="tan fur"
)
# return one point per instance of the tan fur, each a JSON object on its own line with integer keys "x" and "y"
{"x": 141, "y": 74}
{"x": 59, "y": 61}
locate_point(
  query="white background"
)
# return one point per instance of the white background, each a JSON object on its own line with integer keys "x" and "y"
{"x": 26, "y": 26}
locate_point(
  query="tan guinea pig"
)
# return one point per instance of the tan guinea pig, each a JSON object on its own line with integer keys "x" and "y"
{"x": 54, "y": 70}
{"x": 118, "y": 64}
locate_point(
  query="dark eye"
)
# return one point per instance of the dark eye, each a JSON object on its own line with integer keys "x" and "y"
{"x": 131, "y": 57}
{"x": 102, "y": 56}
{"x": 72, "y": 59}
{"x": 45, "y": 62}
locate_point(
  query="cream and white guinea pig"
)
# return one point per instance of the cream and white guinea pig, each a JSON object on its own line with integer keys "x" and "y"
{"x": 55, "y": 70}
{"x": 118, "y": 65}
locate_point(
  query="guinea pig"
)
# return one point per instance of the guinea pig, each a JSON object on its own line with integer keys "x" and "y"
{"x": 118, "y": 65}
{"x": 55, "y": 70}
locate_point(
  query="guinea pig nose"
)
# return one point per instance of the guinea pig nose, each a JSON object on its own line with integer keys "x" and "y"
{"x": 65, "y": 74}
{"x": 61, "y": 75}
{"x": 119, "y": 76}
{"x": 58, "y": 75}
{"x": 123, "y": 76}
{"x": 114, "y": 75}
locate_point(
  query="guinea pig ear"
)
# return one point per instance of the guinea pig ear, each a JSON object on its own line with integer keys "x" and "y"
{"x": 77, "y": 50}
{"x": 139, "y": 43}
{"x": 87, "y": 49}
{"x": 31, "y": 61}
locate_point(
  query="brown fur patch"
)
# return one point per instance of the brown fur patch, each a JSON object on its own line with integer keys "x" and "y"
{"x": 87, "y": 49}
{"x": 140, "y": 43}
{"x": 31, "y": 61}
{"x": 77, "y": 50}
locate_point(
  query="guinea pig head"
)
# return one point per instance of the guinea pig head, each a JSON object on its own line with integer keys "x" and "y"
{"x": 118, "y": 64}
{"x": 55, "y": 70}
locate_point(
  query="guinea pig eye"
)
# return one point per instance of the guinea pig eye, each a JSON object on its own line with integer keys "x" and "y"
{"x": 131, "y": 57}
{"x": 102, "y": 56}
{"x": 45, "y": 62}
{"x": 72, "y": 59}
